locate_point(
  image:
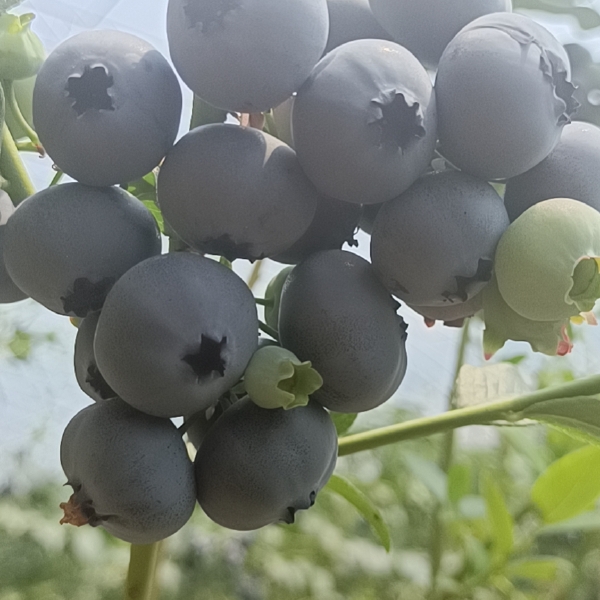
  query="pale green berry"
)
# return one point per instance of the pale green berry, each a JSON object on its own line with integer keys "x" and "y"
{"x": 276, "y": 378}
{"x": 546, "y": 261}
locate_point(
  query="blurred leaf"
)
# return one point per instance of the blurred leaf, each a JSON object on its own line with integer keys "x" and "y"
{"x": 361, "y": 502}
{"x": 472, "y": 507}
{"x": 6, "y": 5}
{"x": 500, "y": 519}
{"x": 578, "y": 417}
{"x": 539, "y": 568}
{"x": 459, "y": 482}
{"x": 342, "y": 421}
{"x": 588, "y": 521}
{"x": 479, "y": 385}
{"x": 20, "y": 345}
{"x": 515, "y": 360}
{"x": 429, "y": 473}
{"x": 568, "y": 486}
{"x": 554, "y": 376}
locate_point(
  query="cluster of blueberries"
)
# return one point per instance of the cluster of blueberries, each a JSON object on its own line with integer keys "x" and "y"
{"x": 356, "y": 134}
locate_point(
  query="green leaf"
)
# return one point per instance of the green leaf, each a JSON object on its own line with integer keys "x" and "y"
{"x": 578, "y": 417}
{"x": 429, "y": 473}
{"x": 480, "y": 385}
{"x": 568, "y": 486}
{"x": 20, "y": 345}
{"x": 144, "y": 188}
{"x": 156, "y": 213}
{"x": 342, "y": 421}
{"x": 205, "y": 114}
{"x": 459, "y": 482}
{"x": 539, "y": 568}
{"x": 500, "y": 519}
{"x": 361, "y": 502}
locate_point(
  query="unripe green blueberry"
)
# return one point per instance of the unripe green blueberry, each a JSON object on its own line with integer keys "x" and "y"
{"x": 276, "y": 378}
{"x": 546, "y": 261}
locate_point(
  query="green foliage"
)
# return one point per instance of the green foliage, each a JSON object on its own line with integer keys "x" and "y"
{"x": 578, "y": 417}
{"x": 343, "y": 421}
{"x": 365, "y": 507}
{"x": 569, "y": 486}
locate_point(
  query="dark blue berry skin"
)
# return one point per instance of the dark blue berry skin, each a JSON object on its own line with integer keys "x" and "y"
{"x": 176, "y": 333}
{"x": 88, "y": 375}
{"x": 107, "y": 107}
{"x": 434, "y": 244}
{"x": 65, "y": 246}
{"x": 258, "y": 466}
{"x": 236, "y": 192}
{"x": 130, "y": 472}
{"x": 569, "y": 171}
{"x": 335, "y": 313}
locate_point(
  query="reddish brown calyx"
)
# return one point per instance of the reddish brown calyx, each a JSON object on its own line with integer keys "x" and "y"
{"x": 74, "y": 514}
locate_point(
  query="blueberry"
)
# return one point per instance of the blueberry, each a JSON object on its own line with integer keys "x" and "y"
{"x": 9, "y": 292}
{"x": 504, "y": 94}
{"x": 258, "y": 466}
{"x": 88, "y": 375}
{"x": 67, "y": 245}
{"x": 130, "y": 473}
{"x": 246, "y": 55}
{"x": 547, "y": 260}
{"x": 333, "y": 225}
{"x": 427, "y": 26}
{"x": 351, "y": 20}
{"x": 106, "y": 106}
{"x": 235, "y": 191}
{"x": 434, "y": 245}
{"x": 569, "y": 171}
{"x": 336, "y": 314}
{"x": 364, "y": 123}
{"x": 176, "y": 332}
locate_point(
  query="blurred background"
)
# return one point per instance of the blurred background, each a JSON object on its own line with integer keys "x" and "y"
{"x": 330, "y": 553}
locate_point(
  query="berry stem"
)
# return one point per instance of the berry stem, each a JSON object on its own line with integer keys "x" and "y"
{"x": 255, "y": 274}
{"x": 141, "y": 577}
{"x": 268, "y": 330}
{"x": 13, "y": 170}
{"x": 484, "y": 414}
{"x": 13, "y": 106}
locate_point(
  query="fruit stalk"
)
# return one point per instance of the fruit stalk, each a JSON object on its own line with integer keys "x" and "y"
{"x": 141, "y": 577}
{"x": 473, "y": 415}
{"x": 13, "y": 170}
{"x": 13, "y": 107}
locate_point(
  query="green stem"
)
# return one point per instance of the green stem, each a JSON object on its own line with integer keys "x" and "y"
{"x": 27, "y": 147}
{"x": 268, "y": 330}
{"x": 13, "y": 106}
{"x": 142, "y": 572}
{"x": 437, "y": 525}
{"x": 263, "y": 302}
{"x": 255, "y": 274}
{"x": 484, "y": 414}
{"x": 13, "y": 170}
{"x": 56, "y": 179}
